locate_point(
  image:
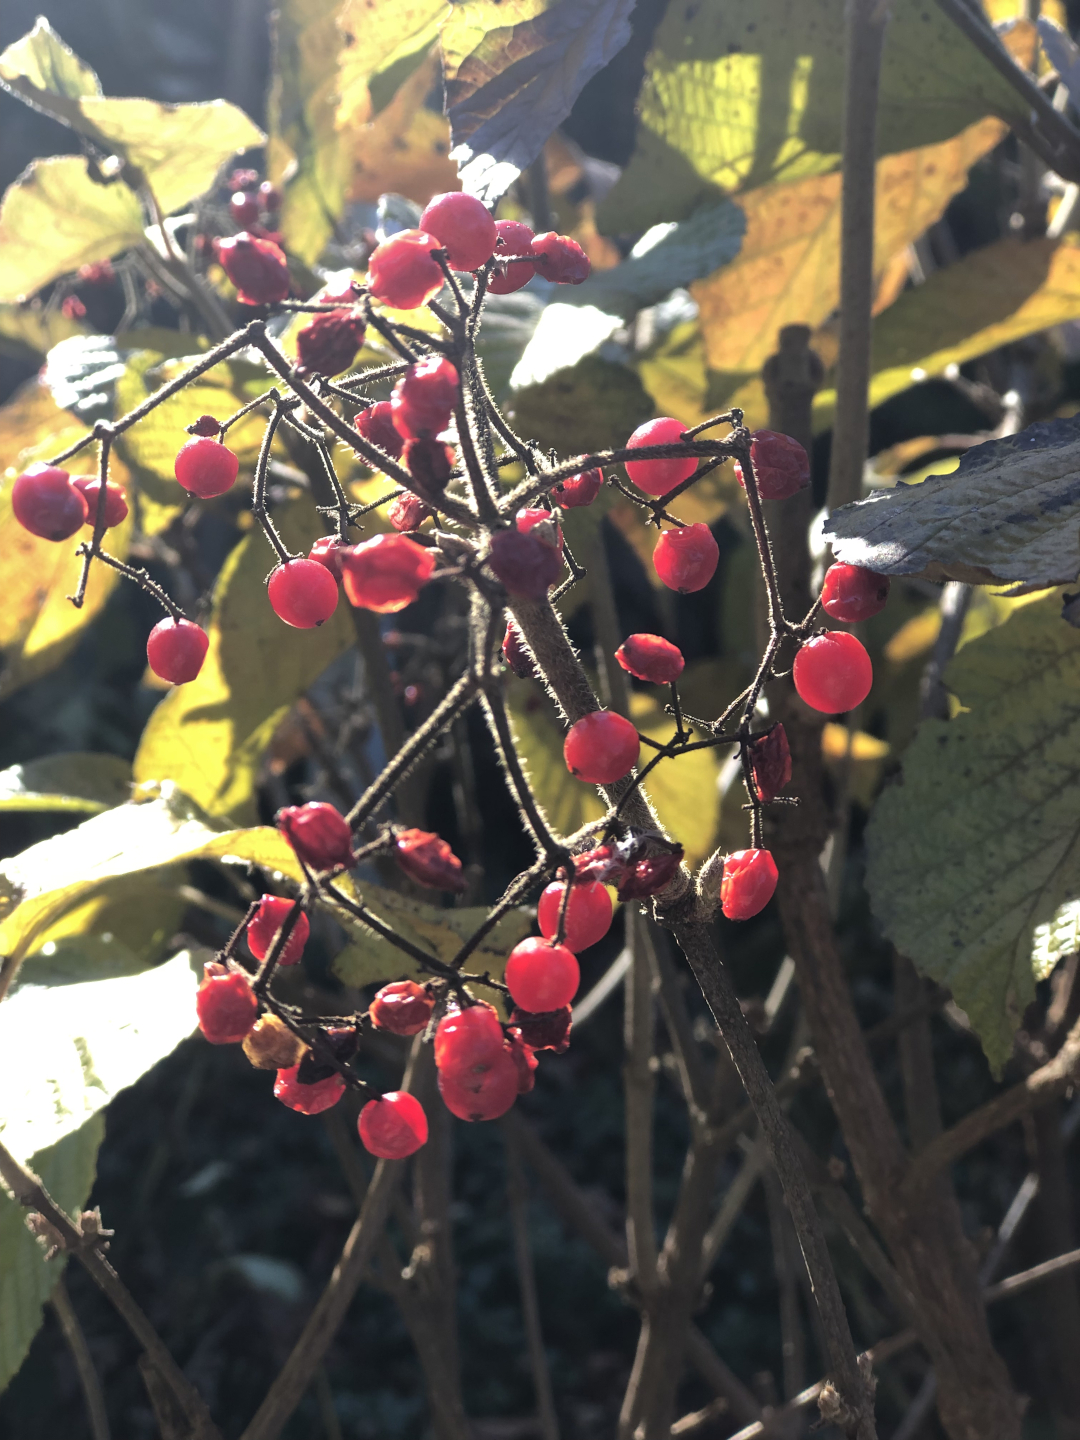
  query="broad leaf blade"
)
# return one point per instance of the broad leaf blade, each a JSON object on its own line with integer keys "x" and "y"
{"x": 80, "y": 783}
{"x": 43, "y": 60}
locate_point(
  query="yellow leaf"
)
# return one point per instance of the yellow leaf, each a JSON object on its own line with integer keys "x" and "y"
{"x": 915, "y": 637}
{"x": 857, "y": 757}
{"x": 378, "y": 37}
{"x": 683, "y": 790}
{"x": 406, "y": 147}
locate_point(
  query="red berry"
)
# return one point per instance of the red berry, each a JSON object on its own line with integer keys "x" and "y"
{"x": 658, "y": 477}
{"x": 176, "y": 649}
{"x": 393, "y": 1126}
{"x": 244, "y": 209}
{"x": 408, "y": 511}
{"x": 514, "y": 239}
{"x": 468, "y": 1041}
{"x": 401, "y": 272}
{"x": 781, "y": 465}
{"x": 525, "y": 1062}
{"x": 310, "y": 1099}
{"x": 225, "y": 1004}
{"x": 256, "y": 267}
{"x": 386, "y": 573}
{"x": 270, "y": 196}
{"x": 72, "y": 308}
{"x": 205, "y": 467}
{"x": 116, "y": 506}
{"x": 264, "y": 925}
{"x": 550, "y": 1030}
{"x": 543, "y": 524}
{"x": 464, "y": 228}
{"x": 429, "y": 463}
{"x": 652, "y": 658}
{"x": 428, "y": 860}
{"x": 770, "y": 763}
{"x": 303, "y": 593}
{"x": 515, "y": 654}
{"x": 403, "y": 1008}
{"x": 649, "y": 876}
{"x": 686, "y": 558}
{"x": 601, "y": 748}
{"x": 328, "y": 344}
{"x": 484, "y": 1096}
{"x": 541, "y": 975}
{"x": 588, "y": 916}
{"x": 318, "y": 833}
{"x": 850, "y": 593}
{"x": 47, "y": 503}
{"x": 424, "y": 398}
{"x": 578, "y": 490}
{"x": 749, "y": 881}
{"x": 376, "y": 424}
{"x": 326, "y": 551}
{"x": 561, "y": 259}
{"x": 243, "y": 179}
{"x": 524, "y": 563}
{"x": 833, "y": 673}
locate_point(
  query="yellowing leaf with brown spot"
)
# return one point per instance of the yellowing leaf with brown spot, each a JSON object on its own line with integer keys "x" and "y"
{"x": 376, "y": 37}
{"x": 406, "y": 147}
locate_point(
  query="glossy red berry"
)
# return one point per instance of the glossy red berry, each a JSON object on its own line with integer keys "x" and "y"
{"x": 303, "y": 593}
{"x": 485, "y": 1095}
{"x": 648, "y": 877}
{"x": 46, "y": 502}
{"x": 525, "y": 564}
{"x": 550, "y": 1030}
{"x": 588, "y": 915}
{"x": 256, "y": 267}
{"x": 428, "y": 859}
{"x": 578, "y": 490}
{"x": 408, "y": 511}
{"x": 781, "y": 465}
{"x": 424, "y": 398}
{"x": 468, "y": 1041}
{"x": 514, "y": 239}
{"x": 386, "y": 573}
{"x": 403, "y": 1008}
{"x": 686, "y": 558}
{"x": 401, "y": 271}
{"x": 658, "y": 477}
{"x": 328, "y": 343}
{"x": 264, "y": 925}
{"x": 430, "y": 464}
{"x": 652, "y": 658}
{"x": 851, "y": 593}
{"x": 393, "y": 1126}
{"x": 205, "y": 425}
{"x": 560, "y": 259}
{"x": 225, "y": 1004}
{"x": 770, "y": 763}
{"x": 515, "y": 654}
{"x": 541, "y": 975}
{"x": 376, "y": 423}
{"x": 318, "y": 833}
{"x": 543, "y": 524}
{"x": 116, "y": 506}
{"x": 310, "y": 1099}
{"x": 463, "y": 226}
{"x": 601, "y": 747}
{"x": 833, "y": 673}
{"x": 244, "y": 209}
{"x": 525, "y": 1062}
{"x": 176, "y": 649}
{"x": 205, "y": 467}
{"x": 326, "y": 551}
{"x": 748, "y": 883}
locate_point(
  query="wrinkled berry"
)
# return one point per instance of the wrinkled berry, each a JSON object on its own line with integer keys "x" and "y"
{"x": 579, "y": 489}
{"x": 833, "y": 673}
{"x": 46, "y": 502}
{"x": 328, "y": 343}
{"x": 749, "y": 881}
{"x": 429, "y": 463}
{"x": 308, "y": 1099}
{"x": 514, "y": 239}
{"x": 548, "y": 1030}
{"x": 601, "y": 748}
{"x": 649, "y": 876}
{"x": 525, "y": 564}
{"x": 256, "y": 267}
{"x": 393, "y": 1126}
{"x": 205, "y": 467}
{"x": 770, "y": 763}
{"x": 408, "y": 511}
{"x": 401, "y": 271}
{"x": 271, "y": 1045}
{"x": 588, "y": 914}
{"x": 658, "y": 477}
{"x": 850, "y": 593}
{"x": 463, "y": 226}
{"x": 318, "y": 833}
{"x": 560, "y": 259}
{"x": 376, "y": 423}
{"x": 264, "y": 925}
{"x": 423, "y": 399}
{"x": 205, "y": 425}
{"x": 686, "y": 558}
{"x": 386, "y": 573}
{"x": 225, "y": 1004}
{"x": 428, "y": 859}
{"x": 525, "y": 1062}
{"x": 402, "y": 1008}
{"x": 327, "y": 551}
{"x": 515, "y": 654}
{"x": 652, "y": 658}
{"x": 781, "y": 465}
{"x": 176, "y": 649}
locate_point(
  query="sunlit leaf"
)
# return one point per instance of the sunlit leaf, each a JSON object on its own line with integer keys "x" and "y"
{"x": 381, "y": 44}
{"x": 44, "y": 62}
{"x": 28, "y": 332}
{"x": 683, "y": 790}
{"x": 406, "y": 146}
{"x": 80, "y": 783}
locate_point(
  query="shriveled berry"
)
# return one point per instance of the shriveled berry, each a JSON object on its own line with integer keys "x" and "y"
{"x": 116, "y": 506}
{"x": 601, "y": 747}
{"x": 393, "y": 1126}
{"x": 770, "y": 763}
{"x": 176, "y": 649}
{"x": 463, "y": 226}
{"x": 515, "y": 654}
{"x": 401, "y": 271}
{"x": 579, "y": 489}
{"x": 264, "y": 925}
{"x": 561, "y": 259}
{"x": 428, "y": 859}
{"x": 408, "y": 511}
{"x": 514, "y": 238}
{"x": 468, "y": 1041}
{"x": 326, "y": 551}
{"x": 601, "y": 864}
{"x": 308, "y": 1099}
{"x": 46, "y": 502}
{"x": 548, "y": 1030}
{"x": 850, "y": 593}
{"x": 423, "y": 400}
{"x": 429, "y": 463}
{"x": 376, "y": 423}
{"x": 303, "y": 593}
{"x": 244, "y": 208}
{"x": 833, "y": 673}
{"x": 225, "y": 1004}
{"x": 686, "y": 558}
{"x": 256, "y": 267}
{"x": 328, "y": 343}
{"x": 652, "y": 658}
{"x": 318, "y": 833}
{"x": 386, "y": 573}
{"x": 525, "y": 564}
{"x": 524, "y": 1060}
{"x": 648, "y": 877}
{"x": 205, "y": 425}
{"x": 402, "y": 1008}
{"x": 588, "y": 914}
{"x": 541, "y": 975}
{"x": 485, "y": 1095}
{"x": 750, "y": 878}
{"x": 781, "y": 465}
{"x": 658, "y": 477}
{"x": 271, "y": 1045}
{"x": 205, "y": 467}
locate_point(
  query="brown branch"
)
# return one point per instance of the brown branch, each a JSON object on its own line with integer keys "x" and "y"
{"x": 530, "y": 1305}
{"x": 83, "y": 1360}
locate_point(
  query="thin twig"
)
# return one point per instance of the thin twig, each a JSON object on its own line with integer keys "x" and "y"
{"x": 84, "y": 1361}
{"x": 530, "y": 1305}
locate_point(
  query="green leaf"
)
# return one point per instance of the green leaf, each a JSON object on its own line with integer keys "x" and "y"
{"x": 683, "y": 791}
{"x": 40, "y": 61}
{"x": 85, "y": 783}
{"x": 974, "y": 851}
{"x": 209, "y": 736}
{"x": 1008, "y": 514}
